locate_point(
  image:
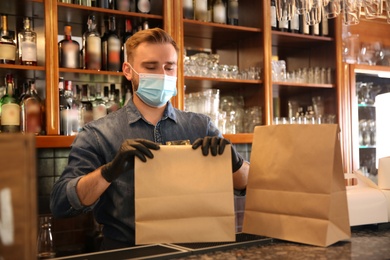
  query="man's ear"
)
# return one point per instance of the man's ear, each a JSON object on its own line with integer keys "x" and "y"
{"x": 127, "y": 71}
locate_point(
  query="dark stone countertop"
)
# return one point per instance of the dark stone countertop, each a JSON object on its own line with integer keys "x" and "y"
{"x": 367, "y": 242}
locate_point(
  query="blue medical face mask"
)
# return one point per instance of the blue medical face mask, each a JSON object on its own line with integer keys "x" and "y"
{"x": 156, "y": 89}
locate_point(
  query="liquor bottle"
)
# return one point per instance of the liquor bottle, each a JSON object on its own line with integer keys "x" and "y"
{"x": 274, "y": 21}
{"x": 128, "y": 95}
{"x": 188, "y": 9}
{"x": 303, "y": 26}
{"x": 27, "y": 40}
{"x": 69, "y": 50}
{"x": 106, "y": 91}
{"x": 99, "y": 106}
{"x": 219, "y": 12}
{"x": 143, "y": 6}
{"x": 232, "y": 15}
{"x": 10, "y": 109}
{"x": 294, "y": 23}
{"x": 123, "y": 5}
{"x": 64, "y": 107}
{"x": 86, "y": 107}
{"x": 7, "y": 44}
{"x": 201, "y": 10}
{"x": 111, "y": 48}
{"x": 315, "y": 29}
{"x": 31, "y": 111}
{"x": 324, "y": 26}
{"x": 128, "y": 32}
{"x": 92, "y": 51}
{"x": 112, "y": 104}
{"x": 283, "y": 25}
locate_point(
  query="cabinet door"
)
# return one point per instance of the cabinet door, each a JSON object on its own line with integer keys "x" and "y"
{"x": 367, "y": 82}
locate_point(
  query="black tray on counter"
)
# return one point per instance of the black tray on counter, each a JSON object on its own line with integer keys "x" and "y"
{"x": 169, "y": 251}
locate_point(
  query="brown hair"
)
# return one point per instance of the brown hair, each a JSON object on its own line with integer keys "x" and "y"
{"x": 154, "y": 35}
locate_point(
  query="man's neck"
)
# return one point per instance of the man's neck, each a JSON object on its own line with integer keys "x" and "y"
{"x": 151, "y": 114}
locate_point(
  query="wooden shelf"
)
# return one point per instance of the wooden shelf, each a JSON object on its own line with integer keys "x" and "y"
{"x": 54, "y": 141}
{"x": 245, "y": 138}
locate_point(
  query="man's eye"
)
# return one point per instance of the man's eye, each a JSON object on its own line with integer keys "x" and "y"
{"x": 170, "y": 67}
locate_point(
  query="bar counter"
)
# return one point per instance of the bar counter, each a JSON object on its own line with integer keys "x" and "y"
{"x": 367, "y": 242}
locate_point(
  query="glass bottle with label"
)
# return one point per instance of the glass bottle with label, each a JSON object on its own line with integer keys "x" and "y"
{"x": 143, "y": 6}
{"x": 294, "y": 23}
{"x": 69, "y": 50}
{"x": 92, "y": 51}
{"x": 31, "y": 111}
{"x": 111, "y": 48}
{"x": 126, "y": 35}
{"x": 27, "y": 40}
{"x": 86, "y": 107}
{"x": 201, "y": 10}
{"x": 99, "y": 106}
{"x": 274, "y": 21}
{"x": 219, "y": 12}
{"x": 188, "y": 9}
{"x": 10, "y": 109}
{"x": 7, "y": 44}
{"x": 112, "y": 104}
{"x": 232, "y": 16}
{"x": 123, "y": 5}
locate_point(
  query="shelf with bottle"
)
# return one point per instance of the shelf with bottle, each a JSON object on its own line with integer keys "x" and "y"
{"x": 77, "y": 14}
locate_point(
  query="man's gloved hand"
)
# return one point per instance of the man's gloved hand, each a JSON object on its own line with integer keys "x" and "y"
{"x": 217, "y": 145}
{"x": 124, "y": 159}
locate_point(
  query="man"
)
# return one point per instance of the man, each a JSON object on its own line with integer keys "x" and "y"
{"x": 99, "y": 174}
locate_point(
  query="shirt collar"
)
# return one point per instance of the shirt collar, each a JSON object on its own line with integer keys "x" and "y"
{"x": 133, "y": 114}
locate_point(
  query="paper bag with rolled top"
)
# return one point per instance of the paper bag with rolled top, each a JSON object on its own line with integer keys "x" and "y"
{"x": 296, "y": 189}
{"x": 183, "y": 196}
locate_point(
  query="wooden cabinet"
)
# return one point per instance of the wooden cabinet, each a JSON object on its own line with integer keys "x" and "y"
{"x": 251, "y": 43}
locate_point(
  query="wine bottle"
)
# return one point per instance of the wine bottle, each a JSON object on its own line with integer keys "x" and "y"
{"x": 69, "y": 50}
{"x": 7, "y": 44}
{"x": 98, "y": 105}
{"x": 274, "y": 22}
{"x": 283, "y": 25}
{"x": 92, "y": 51}
{"x": 86, "y": 107}
{"x": 10, "y": 109}
{"x": 123, "y": 5}
{"x": 112, "y": 104}
{"x": 27, "y": 40}
{"x": 188, "y": 9}
{"x": 324, "y": 27}
{"x": 143, "y": 6}
{"x": 294, "y": 23}
{"x": 128, "y": 33}
{"x": 31, "y": 111}
{"x": 111, "y": 48}
{"x": 232, "y": 16}
{"x": 219, "y": 12}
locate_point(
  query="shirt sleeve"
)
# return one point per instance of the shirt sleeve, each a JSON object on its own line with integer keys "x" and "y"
{"x": 83, "y": 159}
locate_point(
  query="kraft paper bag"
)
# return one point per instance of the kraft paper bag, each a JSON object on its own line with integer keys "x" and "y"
{"x": 182, "y": 196}
{"x": 384, "y": 173}
{"x": 296, "y": 189}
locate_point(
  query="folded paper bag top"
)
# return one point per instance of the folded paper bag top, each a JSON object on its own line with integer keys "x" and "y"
{"x": 182, "y": 196}
{"x": 296, "y": 188}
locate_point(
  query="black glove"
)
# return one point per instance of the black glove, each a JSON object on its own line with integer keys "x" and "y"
{"x": 124, "y": 159}
{"x": 217, "y": 145}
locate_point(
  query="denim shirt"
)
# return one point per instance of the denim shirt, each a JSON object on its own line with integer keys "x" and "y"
{"x": 98, "y": 143}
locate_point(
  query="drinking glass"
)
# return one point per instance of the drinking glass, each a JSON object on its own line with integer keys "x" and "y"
{"x": 351, "y": 48}
{"x": 302, "y": 6}
{"x": 284, "y": 9}
{"x": 332, "y": 9}
{"x": 313, "y": 16}
{"x": 370, "y": 53}
{"x": 373, "y": 8}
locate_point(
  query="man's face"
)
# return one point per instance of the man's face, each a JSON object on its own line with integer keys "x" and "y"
{"x": 152, "y": 58}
